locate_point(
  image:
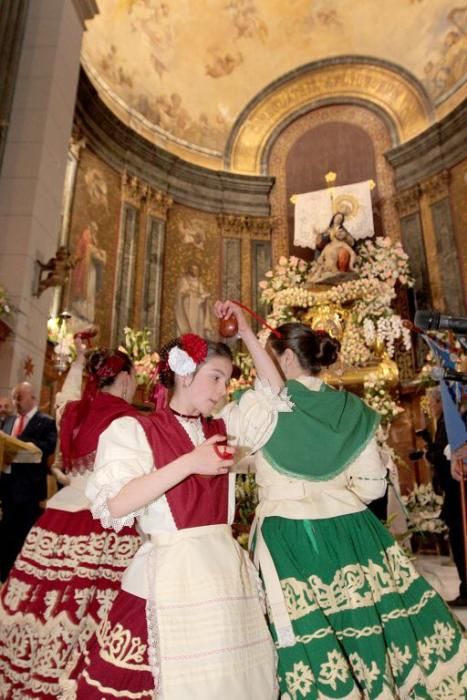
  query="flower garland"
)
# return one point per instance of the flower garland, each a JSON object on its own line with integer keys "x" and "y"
{"x": 289, "y": 272}
{"x": 384, "y": 259}
{"x": 376, "y": 395}
{"x": 371, "y": 322}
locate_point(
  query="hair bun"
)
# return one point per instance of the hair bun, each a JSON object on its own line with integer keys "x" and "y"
{"x": 329, "y": 348}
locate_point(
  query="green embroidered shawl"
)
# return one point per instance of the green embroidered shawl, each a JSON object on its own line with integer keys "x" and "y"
{"x": 324, "y": 433}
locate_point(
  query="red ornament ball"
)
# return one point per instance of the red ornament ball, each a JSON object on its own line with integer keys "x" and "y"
{"x": 228, "y": 327}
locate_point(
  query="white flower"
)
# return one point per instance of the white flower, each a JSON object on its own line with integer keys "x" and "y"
{"x": 180, "y": 362}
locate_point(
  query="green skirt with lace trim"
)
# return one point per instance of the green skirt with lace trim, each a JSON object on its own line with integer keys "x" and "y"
{"x": 366, "y": 624}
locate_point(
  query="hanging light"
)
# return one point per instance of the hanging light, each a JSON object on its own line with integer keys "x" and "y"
{"x": 62, "y": 348}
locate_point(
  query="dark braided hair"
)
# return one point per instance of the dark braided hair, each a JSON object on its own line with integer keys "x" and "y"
{"x": 167, "y": 376}
{"x": 314, "y": 349}
{"x": 105, "y": 364}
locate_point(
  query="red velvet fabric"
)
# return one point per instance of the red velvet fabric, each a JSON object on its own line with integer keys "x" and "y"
{"x": 83, "y": 423}
{"x": 198, "y": 500}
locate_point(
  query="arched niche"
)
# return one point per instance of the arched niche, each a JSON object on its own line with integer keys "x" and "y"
{"x": 383, "y": 87}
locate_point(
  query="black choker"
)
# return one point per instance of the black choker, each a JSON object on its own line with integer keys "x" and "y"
{"x": 183, "y": 415}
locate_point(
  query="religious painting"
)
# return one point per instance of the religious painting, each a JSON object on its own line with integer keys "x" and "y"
{"x": 88, "y": 274}
{"x": 93, "y": 240}
{"x": 447, "y": 257}
{"x": 182, "y": 79}
{"x": 447, "y": 66}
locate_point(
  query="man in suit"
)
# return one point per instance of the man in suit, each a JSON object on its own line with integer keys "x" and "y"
{"x": 23, "y": 485}
{"x": 6, "y": 410}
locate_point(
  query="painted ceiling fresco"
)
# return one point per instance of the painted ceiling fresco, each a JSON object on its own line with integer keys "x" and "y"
{"x": 185, "y": 69}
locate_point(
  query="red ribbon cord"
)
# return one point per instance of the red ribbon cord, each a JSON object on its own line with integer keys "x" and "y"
{"x": 222, "y": 454}
{"x": 259, "y": 318}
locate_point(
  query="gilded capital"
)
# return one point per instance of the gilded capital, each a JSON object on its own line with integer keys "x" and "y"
{"x": 252, "y": 227}
{"x": 158, "y": 204}
{"x": 436, "y": 187}
{"x": 134, "y": 190}
{"x": 408, "y": 201}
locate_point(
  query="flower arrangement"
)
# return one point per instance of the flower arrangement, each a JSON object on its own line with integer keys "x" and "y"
{"x": 385, "y": 260}
{"x": 247, "y": 373}
{"x": 376, "y": 395}
{"x": 386, "y": 330}
{"x": 5, "y": 306}
{"x": 372, "y": 322}
{"x": 424, "y": 507}
{"x": 138, "y": 347}
{"x": 289, "y": 272}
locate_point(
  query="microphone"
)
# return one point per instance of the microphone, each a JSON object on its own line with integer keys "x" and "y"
{"x": 438, "y": 373}
{"x": 433, "y": 321}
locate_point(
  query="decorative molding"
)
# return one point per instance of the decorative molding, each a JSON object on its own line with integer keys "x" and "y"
{"x": 439, "y": 147}
{"x": 139, "y": 194}
{"x": 356, "y": 116}
{"x": 251, "y": 227}
{"x": 158, "y": 204}
{"x": 77, "y": 142}
{"x": 408, "y": 201}
{"x": 436, "y": 187}
{"x": 342, "y": 79}
{"x": 192, "y": 185}
{"x": 85, "y": 9}
{"x": 134, "y": 190}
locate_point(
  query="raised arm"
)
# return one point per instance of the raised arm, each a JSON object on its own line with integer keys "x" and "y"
{"x": 266, "y": 369}
{"x": 71, "y": 389}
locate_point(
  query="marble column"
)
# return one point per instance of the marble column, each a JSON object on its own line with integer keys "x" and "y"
{"x": 33, "y": 172}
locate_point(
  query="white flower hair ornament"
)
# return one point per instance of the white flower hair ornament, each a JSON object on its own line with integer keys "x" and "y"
{"x": 184, "y": 360}
{"x": 180, "y": 362}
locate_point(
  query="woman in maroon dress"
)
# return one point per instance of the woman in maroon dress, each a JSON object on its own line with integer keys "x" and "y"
{"x": 69, "y": 570}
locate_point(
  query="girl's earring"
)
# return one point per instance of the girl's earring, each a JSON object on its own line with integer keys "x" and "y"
{"x": 124, "y": 394}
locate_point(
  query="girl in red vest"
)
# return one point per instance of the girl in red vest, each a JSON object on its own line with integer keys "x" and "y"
{"x": 188, "y": 622}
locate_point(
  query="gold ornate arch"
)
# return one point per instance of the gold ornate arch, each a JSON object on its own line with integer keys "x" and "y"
{"x": 390, "y": 91}
{"x": 351, "y": 114}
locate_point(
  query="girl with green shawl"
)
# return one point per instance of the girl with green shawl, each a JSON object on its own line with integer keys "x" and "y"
{"x": 350, "y": 615}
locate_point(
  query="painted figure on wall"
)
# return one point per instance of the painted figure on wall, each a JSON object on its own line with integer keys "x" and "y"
{"x": 88, "y": 274}
{"x": 192, "y": 311}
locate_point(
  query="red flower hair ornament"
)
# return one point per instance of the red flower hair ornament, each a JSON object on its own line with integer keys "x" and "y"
{"x": 193, "y": 351}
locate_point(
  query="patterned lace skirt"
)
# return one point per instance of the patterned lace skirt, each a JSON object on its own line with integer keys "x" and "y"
{"x": 201, "y": 635}
{"x": 366, "y": 624}
{"x": 61, "y": 586}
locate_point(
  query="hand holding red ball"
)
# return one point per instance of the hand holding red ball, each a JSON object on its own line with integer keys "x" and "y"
{"x": 228, "y": 327}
